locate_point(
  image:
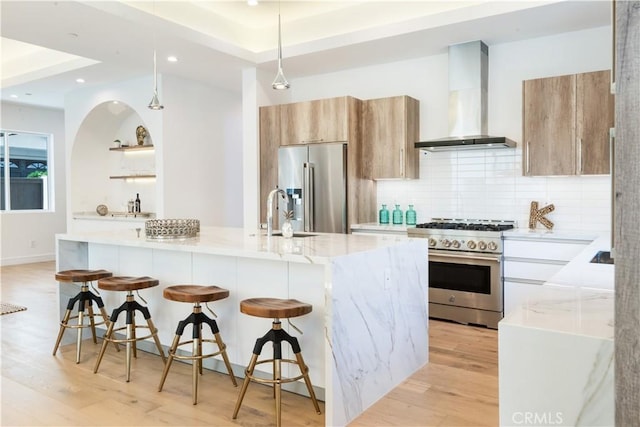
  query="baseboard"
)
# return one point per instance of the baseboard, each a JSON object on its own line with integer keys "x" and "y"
{"x": 27, "y": 259}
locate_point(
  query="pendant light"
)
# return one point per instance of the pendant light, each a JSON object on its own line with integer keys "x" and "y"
{"x": 155, "y": 102}
{"x": 280, "y": 81}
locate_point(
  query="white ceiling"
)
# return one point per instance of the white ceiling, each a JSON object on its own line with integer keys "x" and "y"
{"x": 47, "y": 45}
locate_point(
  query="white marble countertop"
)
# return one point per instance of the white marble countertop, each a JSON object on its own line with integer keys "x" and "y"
{"x": 576, "y": 300}
{"x": 537, "y": 234}
{"x": 374, "y": 226}
{"x": 579, "y": 272}
{"x": 577, "y": 311}
{"x": 317, "y": 249}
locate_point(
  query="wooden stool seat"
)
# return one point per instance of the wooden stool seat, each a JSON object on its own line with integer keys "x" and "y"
{"x": 77, "y": 276}
{"x": 194, "y": 293}
{"x": 274, "y": 308}
{"x": 85, "y": 299}
{"x": 129, "y": 309}
{"x": 127, "y": 283}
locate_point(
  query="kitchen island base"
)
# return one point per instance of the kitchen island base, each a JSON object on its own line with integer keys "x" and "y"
{"x": 369, "y": 297}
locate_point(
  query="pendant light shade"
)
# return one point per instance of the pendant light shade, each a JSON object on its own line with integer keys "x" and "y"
{"x": 280, "y": 81}
{"x": 155, "y": 102}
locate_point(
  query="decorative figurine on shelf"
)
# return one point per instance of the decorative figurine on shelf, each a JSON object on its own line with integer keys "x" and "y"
{"x": 141, "y": 134}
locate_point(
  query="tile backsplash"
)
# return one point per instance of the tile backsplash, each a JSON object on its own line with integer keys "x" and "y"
{"x": 488, "y": 184}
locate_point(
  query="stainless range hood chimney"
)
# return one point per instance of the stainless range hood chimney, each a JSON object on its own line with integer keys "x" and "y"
{"x": 468, "y": 83}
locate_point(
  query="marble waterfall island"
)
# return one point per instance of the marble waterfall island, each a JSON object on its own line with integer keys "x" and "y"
{"x": 368, "y": 330}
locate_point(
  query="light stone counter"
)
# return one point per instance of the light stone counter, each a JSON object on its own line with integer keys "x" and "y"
{"x": 368, "y": 330}
{"x": 374, "y": 227}
{"x": 556, "y": 354}
{"x": 579, "y": 272}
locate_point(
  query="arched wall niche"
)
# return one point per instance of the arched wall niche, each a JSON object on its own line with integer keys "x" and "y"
{"x": 93, "y": 163}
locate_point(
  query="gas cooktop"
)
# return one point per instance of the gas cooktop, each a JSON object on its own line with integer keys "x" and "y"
{"x": 476, "y": 225}
{"x": 463, "y": 234}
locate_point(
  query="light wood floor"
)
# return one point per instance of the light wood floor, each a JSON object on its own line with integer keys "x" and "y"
{"x": 458, "y": 387}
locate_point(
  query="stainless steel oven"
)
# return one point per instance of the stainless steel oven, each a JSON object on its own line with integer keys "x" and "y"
{"x": 465, "y": 269}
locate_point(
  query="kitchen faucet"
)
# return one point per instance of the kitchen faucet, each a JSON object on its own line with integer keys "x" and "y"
{"x": 270, "y": 207}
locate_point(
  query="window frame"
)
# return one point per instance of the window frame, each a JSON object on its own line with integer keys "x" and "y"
{"x": 48, "y": 189}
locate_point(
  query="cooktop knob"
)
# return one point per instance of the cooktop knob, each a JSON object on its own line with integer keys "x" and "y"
{"x": 482, "y": 245}
{"x": 432, "y": 242}
{"x": 446, "y": 243}
{"x": 471, "y": 244}
{"x": 493, "y": 246}
{"x": 456, "y": 244}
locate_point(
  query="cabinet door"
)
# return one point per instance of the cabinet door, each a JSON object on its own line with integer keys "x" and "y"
{"x": 269, "y": 143}
{"x": 594, "y": 117}
{"x": 548, "y": 126}
{"x": 390, "y": 130}
{"x": 322, "y": 120}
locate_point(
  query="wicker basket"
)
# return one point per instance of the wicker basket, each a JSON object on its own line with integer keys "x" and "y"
{"x": 160, "y": 229}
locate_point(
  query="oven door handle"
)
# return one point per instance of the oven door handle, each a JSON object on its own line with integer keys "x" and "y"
{"x": 495, "y": 258}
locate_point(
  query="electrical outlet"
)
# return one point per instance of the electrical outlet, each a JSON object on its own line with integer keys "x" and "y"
{"x": 32, "y": 244}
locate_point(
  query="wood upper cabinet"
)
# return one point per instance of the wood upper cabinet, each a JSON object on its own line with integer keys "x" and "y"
{"x": 321, "y": 120}
{"x": 390, "y": 128}
{"x": 269, "y": 143}
{"x": 595, "y": 115}
{"x": 566, "y": 121}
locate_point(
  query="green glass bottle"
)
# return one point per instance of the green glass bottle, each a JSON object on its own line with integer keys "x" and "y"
{"x": 397, "y": 215}
{"x": 383, "y": 215}
{"x": 411, "y": 216}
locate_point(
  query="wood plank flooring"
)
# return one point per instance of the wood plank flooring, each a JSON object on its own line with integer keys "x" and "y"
{"x": 459, "y": 387}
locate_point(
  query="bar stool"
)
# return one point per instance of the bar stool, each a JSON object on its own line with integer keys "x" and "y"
{"x": 85, "y": 299}
{"x": 276, "y": 309}
{"x": 196, "y": 294}
{"x": 130, "y": 306}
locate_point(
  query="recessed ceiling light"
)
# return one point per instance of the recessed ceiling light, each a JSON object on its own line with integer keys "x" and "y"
{"x": 172, "y": 59}
{"x": 13, "y": 95}
{"x": 252, "y": 2}
{"x": 115, "y": 102}
{"x": 79, "y": 80}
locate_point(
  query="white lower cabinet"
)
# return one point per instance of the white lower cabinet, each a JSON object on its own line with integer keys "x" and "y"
{"x": 529, "y": 262}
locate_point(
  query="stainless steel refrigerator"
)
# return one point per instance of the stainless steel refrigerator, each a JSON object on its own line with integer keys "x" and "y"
{"x": 314, "y": 177}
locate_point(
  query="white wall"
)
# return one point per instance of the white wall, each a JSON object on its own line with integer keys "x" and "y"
{"x": 202, "y": 165}
{"x": 483, "y": 184}
{"x": 198, "y": 146}
{"x": 19, "y": 229}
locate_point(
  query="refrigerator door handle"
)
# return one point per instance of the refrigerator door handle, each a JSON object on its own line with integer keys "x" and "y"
{"x": 308, "y": 187}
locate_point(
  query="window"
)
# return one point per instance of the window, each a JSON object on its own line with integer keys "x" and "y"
{"x": 24, "y": 171}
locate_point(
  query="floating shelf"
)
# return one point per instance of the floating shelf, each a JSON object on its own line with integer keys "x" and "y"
{"x": 131, "y": 176}
{"x": 133, "y": 148}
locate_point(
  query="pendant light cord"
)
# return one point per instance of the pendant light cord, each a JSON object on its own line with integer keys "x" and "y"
{"x": 155, "y": 102}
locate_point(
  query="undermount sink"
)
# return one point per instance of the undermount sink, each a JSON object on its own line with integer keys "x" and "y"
{"x": 602, "y": 257}
{"x": 279, "y": 233}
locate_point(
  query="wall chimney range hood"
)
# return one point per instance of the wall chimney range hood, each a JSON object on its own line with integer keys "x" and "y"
{"x": 468, "y": 82}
